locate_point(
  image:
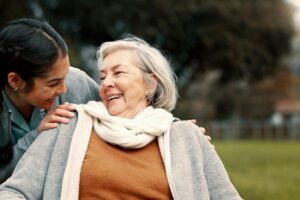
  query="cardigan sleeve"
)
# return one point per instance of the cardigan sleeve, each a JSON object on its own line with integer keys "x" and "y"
{"x": 197, "y": 170}
{"x": 18, "y": 150}
{"x": 218, "y": 181}
{"x": 28, "y": 179}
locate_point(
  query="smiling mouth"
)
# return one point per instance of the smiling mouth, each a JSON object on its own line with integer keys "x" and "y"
{"x": 114, "y": 97}
{"x": 51, "y": 100}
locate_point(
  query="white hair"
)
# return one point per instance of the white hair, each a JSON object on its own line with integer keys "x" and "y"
{"x": 151, "y": 61}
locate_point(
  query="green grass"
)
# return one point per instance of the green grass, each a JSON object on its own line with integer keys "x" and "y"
{"x": 262, "y": 170}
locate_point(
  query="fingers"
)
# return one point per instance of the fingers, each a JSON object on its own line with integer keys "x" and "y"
{"x": 53, "y": 118}
{"x": 60, "y": 114}
{"x": 194, "y": 121}
{"x": 66, "y": 106}
{"x": 202, "y": 130}
{"x": 47, "y": 126}
{"x": 208, "y": 137}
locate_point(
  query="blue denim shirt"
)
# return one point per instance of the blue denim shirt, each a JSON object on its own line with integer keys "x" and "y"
{"x": 80, "y": 89}
{"x": 19, "y": 126}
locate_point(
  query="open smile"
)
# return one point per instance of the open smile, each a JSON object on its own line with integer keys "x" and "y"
{"x": 114, "y": 97}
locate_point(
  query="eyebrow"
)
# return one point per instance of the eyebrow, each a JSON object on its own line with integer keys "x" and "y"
{"x": 55, "y": 80}
{"x": 113, "y": 67}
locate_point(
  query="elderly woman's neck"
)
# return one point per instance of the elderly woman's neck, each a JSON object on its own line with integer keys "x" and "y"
{"x": 132, "y": 112}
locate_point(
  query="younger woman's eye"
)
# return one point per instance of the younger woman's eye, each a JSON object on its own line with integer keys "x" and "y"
{"x": 53, "y": 84}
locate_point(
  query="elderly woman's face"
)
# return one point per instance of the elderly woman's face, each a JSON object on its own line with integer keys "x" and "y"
{"x": 122, "y": 87}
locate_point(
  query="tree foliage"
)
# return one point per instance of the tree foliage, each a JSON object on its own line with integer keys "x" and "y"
{"x": 242, "y": 39}
{"x": 10, "y": 10}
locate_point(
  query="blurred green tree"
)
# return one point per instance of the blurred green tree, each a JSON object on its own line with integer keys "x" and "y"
{"x": 13, "y": 9}
{"x": 239, "y": 42}
{"x": 242, "y": 39}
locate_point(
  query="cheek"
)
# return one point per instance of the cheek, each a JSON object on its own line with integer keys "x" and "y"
{"x": 101, "y": 94}
{"x": 37, "y": 93}
{"x": 47, "y": 92}
{"x": 136, "y": 90}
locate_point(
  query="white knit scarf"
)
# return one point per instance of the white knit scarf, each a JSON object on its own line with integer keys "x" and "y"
{"x": 127, "y": 133}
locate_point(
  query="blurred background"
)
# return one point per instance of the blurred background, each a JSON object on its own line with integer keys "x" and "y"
{"x": 238, "y": 69}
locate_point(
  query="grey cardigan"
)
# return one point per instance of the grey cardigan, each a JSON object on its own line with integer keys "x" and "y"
{"x": 194, "y": 172}
{"x": 80, "y": 89}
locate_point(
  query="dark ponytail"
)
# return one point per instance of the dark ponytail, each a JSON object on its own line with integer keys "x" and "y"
{"x": 28, "y": 47}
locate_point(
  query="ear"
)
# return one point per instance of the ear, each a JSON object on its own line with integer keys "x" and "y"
{"x": 153, "y": 85}
{"x": 15, "y": 81}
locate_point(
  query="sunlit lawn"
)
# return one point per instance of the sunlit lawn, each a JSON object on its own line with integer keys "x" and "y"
{"x": 263, "y": 170}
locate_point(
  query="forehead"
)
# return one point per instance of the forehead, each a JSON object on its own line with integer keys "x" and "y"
{"x": 122, "y": 57}
{"x": 59, "y": 69}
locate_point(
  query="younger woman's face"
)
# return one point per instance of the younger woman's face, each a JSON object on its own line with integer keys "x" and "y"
{"x": 45, "y": 90}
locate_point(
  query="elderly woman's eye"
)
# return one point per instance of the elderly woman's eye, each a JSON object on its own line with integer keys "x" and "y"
{"x": 119, "y": 72}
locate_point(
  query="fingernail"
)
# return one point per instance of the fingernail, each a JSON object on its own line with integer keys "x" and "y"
{"x": 72, "y": 107}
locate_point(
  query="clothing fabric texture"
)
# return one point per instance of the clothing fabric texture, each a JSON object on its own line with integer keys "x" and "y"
{"x": 193, "y": 168}
{"x": 128, "y": 133}
{"x": 80, "y": 89}
{"x": 133, "y": 177}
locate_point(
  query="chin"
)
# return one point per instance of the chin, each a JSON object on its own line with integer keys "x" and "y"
{"x": 115, "y": 110}
{"x": 47, "y": 106}
{"x": 113, "y": 113}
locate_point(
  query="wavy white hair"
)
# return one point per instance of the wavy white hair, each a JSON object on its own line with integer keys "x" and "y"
{"x": 151, "y": 61}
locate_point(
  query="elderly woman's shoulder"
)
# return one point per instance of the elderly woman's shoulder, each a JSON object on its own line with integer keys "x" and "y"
{"x": 184, "y": 126}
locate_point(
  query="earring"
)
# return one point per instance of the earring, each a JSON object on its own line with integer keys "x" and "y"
{"x": 148, "y": 97}
{"x": 15, "y": 89}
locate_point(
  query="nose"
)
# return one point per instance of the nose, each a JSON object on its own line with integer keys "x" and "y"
{"x": 108, "y": 81}
{"x": 62, "y": 89}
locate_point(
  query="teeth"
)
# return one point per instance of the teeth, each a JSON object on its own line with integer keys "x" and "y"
{"x": 114, "y": 97}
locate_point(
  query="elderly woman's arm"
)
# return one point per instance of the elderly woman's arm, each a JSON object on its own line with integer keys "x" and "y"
{"x": 218, "y": 182}
{"x": 197, "y": 170}
{"x": 28, "y": 179}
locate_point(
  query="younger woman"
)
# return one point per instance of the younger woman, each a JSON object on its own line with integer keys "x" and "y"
{"x": 36, "y": 85}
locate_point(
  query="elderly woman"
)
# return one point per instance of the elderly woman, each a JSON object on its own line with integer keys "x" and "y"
{"x": 128, "y": 147}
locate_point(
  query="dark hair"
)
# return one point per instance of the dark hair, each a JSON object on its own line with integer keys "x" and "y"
{"x": 28, "y": 47}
